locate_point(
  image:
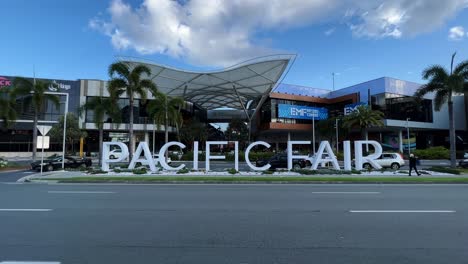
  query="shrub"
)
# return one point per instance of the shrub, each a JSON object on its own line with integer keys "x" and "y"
{"x": 444, "y": 170}
{"x": 354, "y": 171}
{"x": 96, "y": 171}
{"x": 141, "y": 170}
{"x": 183, "y": 171}
{"x": 3, "y": 163}
{"x": 189, "y": 156}
{"x": 232, "y": 171}
{"x": 267, "y": 172}
{"x": 432, "y": 153}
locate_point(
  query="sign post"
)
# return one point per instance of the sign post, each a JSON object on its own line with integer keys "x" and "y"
{"x": 43, "y": 130}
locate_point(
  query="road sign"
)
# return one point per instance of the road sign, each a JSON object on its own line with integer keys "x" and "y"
{"x": 43, "y": 140}
{"x": 44, "y": 129}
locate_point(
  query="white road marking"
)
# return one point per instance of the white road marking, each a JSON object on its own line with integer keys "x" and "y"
{"x": 402, "y": 211}
{"x": 346, "y": 192}
{"x": 81, "y": 192}
{"x": 29, "y": 262}
{"x": 23, "y": 210}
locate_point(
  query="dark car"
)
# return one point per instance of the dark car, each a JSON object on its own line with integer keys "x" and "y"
{"x": 55, "y": 162}
{"x": 281, "y": 161}
{"x": 463, "y": 163}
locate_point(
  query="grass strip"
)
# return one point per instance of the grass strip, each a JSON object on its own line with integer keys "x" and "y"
{"x": 224, "y": 179}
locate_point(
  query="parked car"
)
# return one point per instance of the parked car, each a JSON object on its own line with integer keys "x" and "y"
{"x": 156, "y": 159}
{"x": 281, "y": 161}
{"x": 388, "y": 160}
{"x": 463, "y": 163}
{"x": 55, "y": 162}
{"x": 115, "y": 154}
{"x": 312, "y": 157}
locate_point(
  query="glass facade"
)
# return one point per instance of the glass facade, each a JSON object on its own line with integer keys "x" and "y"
{"x": 399, "y": 107}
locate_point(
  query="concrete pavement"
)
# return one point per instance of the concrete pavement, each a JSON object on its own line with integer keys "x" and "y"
{"x": 234, "y": 224}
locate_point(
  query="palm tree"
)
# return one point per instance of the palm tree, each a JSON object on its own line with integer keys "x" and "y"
{"x": 101, "y": 108}
{"x": 364, "y": 118}
{"x": 194, "y": 130}
{"x": 7, "y": 109}
{"x": 166, "y": 110}
{"x": 444, "y": 84}
{"x": 128, "y": 80}
{"x": 35, "y": 96}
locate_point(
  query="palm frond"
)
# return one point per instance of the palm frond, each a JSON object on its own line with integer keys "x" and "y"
{"x": 120, "y": 69}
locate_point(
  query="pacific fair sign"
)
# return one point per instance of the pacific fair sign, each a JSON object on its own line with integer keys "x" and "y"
{"x": 143, "y": 155}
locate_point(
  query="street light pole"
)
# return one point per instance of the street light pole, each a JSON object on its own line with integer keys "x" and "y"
{"x": 64, "y": 124}
{"x": 336, "y": 127}
{"x": 408, "y": 136}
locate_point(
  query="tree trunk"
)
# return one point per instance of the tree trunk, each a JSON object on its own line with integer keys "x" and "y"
{"x": 453, "y": 152}
{"x": 130, "y": 131}
{"x": 34, "y": 141}
{"x": 101, "y": 138}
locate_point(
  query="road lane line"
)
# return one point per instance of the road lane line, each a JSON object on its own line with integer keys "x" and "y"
{"x": 80, "y": 192}
{"x": 346, "y": 192}
{"x": 29, "y": 262}
{"x": 402, "y": 211}
{"x": 23, "y": 210}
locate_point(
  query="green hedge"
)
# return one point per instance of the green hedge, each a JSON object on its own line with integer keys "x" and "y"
{"x": 444, "y": 170}
{"x": 229, "y": 157}
{"x": 432, "y": 153}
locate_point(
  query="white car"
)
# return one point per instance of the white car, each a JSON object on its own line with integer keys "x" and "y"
{"x": 388, "y": 160}
{"x": 115, "y": 154}
{"x": 466, "y": 155}
{"x": 156, "y": 159}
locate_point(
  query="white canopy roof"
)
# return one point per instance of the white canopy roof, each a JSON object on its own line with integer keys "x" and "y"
{"x": 229, "y": 87}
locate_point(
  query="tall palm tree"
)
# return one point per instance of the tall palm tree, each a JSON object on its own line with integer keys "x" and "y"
{"x": 7, "y": 109}
{"x": 166, "y": 110}
{"x": 35, "y": 96}
{"x": 126, "y": 79}
{"x": 364, "y": 118}
{"x": 102, "y": 107}
{"x": 444, "y": 84}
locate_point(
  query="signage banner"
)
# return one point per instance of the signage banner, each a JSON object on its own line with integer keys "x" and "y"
{"x": 348, "y": 109}
{"x": 302, "y": 112}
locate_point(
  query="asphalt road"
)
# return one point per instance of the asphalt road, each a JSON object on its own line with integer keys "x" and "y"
{"x": 234, "y": 223}
{"x": 13, "y": 176}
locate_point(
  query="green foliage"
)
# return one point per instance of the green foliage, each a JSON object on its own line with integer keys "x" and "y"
{"x": 3, "y": 163}
{"x": 363, "y": 117}
{"x": 141, "y": 170}
{"x": 237, "y": 130}
{"x": 232, "y": 171}
{"x": 73, "y": 133}
{"x": 101, "y": 107}
{"x": 193, "y": 130}
{"x": 163, "y": 107}
{"x": 444, "y": 170}
{"x": 96, "y": 171}
{"x": 266, "y": 172}
{"x": 183, "y": 171}
{"x": 432, "y": 153}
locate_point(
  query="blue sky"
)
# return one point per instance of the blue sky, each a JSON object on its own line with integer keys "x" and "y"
{"x": 358, "y": 39}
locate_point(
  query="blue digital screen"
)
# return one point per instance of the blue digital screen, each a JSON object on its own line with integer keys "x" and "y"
{"x": 302, "y": 112}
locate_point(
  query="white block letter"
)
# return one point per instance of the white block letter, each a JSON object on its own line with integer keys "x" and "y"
{"x": 290, "y": 152}
{"x": 360, "y": 160}
{"x": 208, "y": 157}
{"x": 162, "y": 158}
{"x": 105, "y": 154}
{"x": 347, "y": 155}
{"x": 148, "y": 159}
{"x": 325, "y": 145}
{"x": 247, "y": 159}
{"x": 195, "y": 155}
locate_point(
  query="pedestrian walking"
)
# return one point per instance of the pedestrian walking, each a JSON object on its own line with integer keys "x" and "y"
{"x": 412, "y": 164}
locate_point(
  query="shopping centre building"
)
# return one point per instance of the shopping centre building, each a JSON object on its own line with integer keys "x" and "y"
{"x": 254, "y": 92}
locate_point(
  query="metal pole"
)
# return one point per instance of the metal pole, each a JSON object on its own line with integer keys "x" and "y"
{"x": 154, "y": 136}
{"x": 64, "y": 131}
{"x": 408, "y": 136}
{"x": 313, "y": 134}
{"x": 42, "y": 157}
{"x": 336, "y": 126}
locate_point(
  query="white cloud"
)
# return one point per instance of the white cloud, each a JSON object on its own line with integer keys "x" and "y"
{"x": 329, "y": 32}
{"x": 224, "y": 32}
{"x": 457, "y": 33}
